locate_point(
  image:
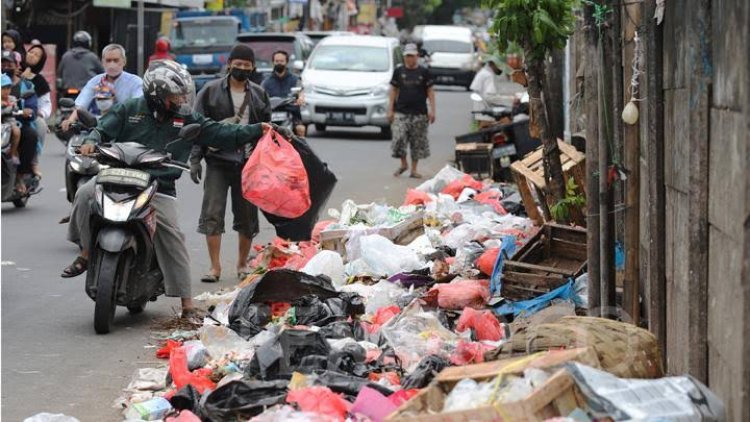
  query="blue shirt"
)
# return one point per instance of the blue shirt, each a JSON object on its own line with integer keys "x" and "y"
{"x": 126, "y": 86}
{"x": 280, "y": 87}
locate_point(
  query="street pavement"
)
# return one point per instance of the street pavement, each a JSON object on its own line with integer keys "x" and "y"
{"x": 53, "y": 361}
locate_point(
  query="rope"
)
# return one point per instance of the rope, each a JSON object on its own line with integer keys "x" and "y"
{"x": 636, "y": 66}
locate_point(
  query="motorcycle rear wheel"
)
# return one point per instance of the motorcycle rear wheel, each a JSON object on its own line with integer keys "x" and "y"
{"x": 21, "y": 202}
{"x": 110, "y": 273}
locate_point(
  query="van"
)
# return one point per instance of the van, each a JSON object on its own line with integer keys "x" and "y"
{"x": 453, "y": 57}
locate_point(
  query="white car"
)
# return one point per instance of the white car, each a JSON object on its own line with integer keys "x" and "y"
{"x": 347, "y": 81}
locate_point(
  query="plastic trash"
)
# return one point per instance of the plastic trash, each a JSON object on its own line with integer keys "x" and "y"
{"x": 419, "y": 278}
{"x": 292, "y": 350}
{"x": 459, "y": 294}
{"x": 183, "y": 416}
{"x": 383, "y": 315}
{"x": 151, "y": 410}
{"x": 468, "y": 394}
{"x": 181, "y": 375}
{"x": 483, "y": 325}
{"x": 148, "y": 379}
{"x": 464, "y": 233}
{"x": 457, "y": 186}
{"x": 386, "y": 258}
{"x": 310, "y": 310}
{"x": 445, "y": 176}
{"x": 242, "y": 399}
{"x": 581, "y": 287}
{"x": 322, "y": 181}
{"x": 467, "y": 194}
{"x": 382, "y": 294}
{"x": 417, "y": 197}
{"x": 328, "y": 263}
{"x": 186, "y": 398}
{"x": 320, "y": 227}
{"x": 425, "y": 372}
{"x": 486, "y": 262}
{"x": 466, "y": 256}
{"x": 274, "y": 178}
{"x": 288, "y": 413}
{"x": 493, "y": 198}
{"x": 468, "y": 352}
{"x": 320, "y": 400}
{"x": 373, "y": 404}
{"x": 221, "y": 341}
{"x": 50, "y": 417}
{"x": 532, "y": 306}
{"x": 346, "y": 384}
{"x": 197, "y": 354}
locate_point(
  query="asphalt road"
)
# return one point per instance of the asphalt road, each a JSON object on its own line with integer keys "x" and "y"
{"x": 53, "y": 361}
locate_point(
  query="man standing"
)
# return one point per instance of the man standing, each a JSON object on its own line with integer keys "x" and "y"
{"x": 79, "y": 64}
{"x": 487, "y": 83}
{"x": 232, "y": 99}
{"x": 280, "y": 84}
{"x": 411, "y": 87}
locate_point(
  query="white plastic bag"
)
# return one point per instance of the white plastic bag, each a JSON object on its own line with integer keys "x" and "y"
{"x": 328, "y": 263}
{"x": 382, "y": 294}
{"x": 148, "y": 379}
{"x": 446, "y": 175}
{"x": 220, "y": 340}
{"x": 387, "y": 258}
{"x": 50, "y": 417}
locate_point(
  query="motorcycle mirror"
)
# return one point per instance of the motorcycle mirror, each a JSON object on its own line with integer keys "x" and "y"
{"x": 476, "y": 97}
{"x": 296, "y": 90}
{"x": 298, "y": 65}
{"x": 66, "y": 102}
{"x": 87, "y": 119}
{"x": 190, "y": 131}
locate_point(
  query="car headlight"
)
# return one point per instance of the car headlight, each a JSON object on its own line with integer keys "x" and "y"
{"x": 468, "y": 66}
{"x": 380, "y": 90}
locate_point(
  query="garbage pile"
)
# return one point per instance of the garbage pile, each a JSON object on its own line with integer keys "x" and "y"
{"x": 392, "y": 313}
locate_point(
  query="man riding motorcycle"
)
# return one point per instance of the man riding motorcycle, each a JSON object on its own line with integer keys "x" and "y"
{"x": 79, "y": 64}
{"x": 153, "y": 121}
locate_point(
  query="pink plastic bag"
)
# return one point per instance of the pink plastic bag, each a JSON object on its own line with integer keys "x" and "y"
{"x": 274, "y": 178}
{"x": 372, "y": 404}
{"x": 492, "y": 198}
{"x": 469, "y": 352}
{"x": 178, "y": 368}
{"x": 460, "y": 294}
{"x": 416, "y": 197}
{"x": 486, "y": 262}
{"x": 319, "y": 400}
{"x": 484, "y": 324}
{"x": 455, "y": 187}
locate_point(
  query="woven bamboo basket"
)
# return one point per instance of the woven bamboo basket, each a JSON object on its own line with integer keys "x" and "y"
{"x": 623, "y": 349}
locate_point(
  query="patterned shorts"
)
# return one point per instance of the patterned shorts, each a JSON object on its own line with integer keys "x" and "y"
{"x": 411, "y": 130}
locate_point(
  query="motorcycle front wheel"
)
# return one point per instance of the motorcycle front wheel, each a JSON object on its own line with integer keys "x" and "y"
{"x": 110, "y": 272}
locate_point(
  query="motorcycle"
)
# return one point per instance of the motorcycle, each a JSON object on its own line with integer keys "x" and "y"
{"x": 123, "y": 269}
{"x": 65, "y": 108}
{"x": 280, "y": 113}
{"x": 79, "y": 169}
{"x": 9, "y": 192}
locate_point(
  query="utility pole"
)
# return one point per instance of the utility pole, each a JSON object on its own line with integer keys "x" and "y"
{"x": 140, "y": 30}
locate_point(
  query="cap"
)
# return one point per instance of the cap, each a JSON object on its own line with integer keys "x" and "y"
{"x": 242, "y": 52}
{"x": 104, "y": 90}
{"x": 10, "y": 56}
{"x": 6, "y": 80}
{"x": 411, "y": 50}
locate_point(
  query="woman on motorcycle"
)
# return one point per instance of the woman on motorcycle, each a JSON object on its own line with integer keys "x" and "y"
{"x": 36, "y": 58}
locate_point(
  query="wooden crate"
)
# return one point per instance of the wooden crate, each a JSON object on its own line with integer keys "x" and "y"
{"x": 552, "y": 256}
{"x": 475, "y": 158}
{"x": 529, "y": 176}
{"x": 558, "y": 396}
{"x": 402, "y": 233}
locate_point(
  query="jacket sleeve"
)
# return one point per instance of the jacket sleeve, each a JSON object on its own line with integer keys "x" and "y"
{"x": 109, "y": 127}
{"x": 265, "y": 115}
{"x": 225, "y": 135}
{"x": 198, "y": 151}
{"x": 45, "y": 106}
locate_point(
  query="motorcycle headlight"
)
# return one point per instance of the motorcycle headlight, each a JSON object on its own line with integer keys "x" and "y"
{"x": 144, "y": 197}
{"x": 116, "y": 211}
{"x": 75, "y": 165}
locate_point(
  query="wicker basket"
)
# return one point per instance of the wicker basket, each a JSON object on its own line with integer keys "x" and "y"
{"x": 623, "y": 349}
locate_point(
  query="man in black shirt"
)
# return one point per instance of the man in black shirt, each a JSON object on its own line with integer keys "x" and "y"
{"x": 411, "y": 87}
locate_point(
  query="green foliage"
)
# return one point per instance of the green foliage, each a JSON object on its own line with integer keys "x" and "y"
{"x": 561, "y": 210}
{"x": 536, "y": 25}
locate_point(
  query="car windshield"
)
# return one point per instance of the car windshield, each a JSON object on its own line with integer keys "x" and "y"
{"x": 204, "y": 33}
{"x": 447, "y": 46}
{"x": 350, "y": 58}
{"x": 264, "y": 50}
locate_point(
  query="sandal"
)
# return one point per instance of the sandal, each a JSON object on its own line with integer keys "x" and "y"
{"x": 242, "y": 275}
{"x": 78, "y": 267}
{"x": 400, "y": 171}
{"x": 416, "y": 176}
{"x": 210, "y": 278}
{"x": 64, "y": 220}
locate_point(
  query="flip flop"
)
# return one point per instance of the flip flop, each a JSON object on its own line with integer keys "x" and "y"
{"x": 242, "y": 275}
{"x": 78, "y": 267}
{"x": 416, "y": 176}
{"x": 64, "y": 220}
{"x": 210, "y": 278}
{"x": 400, "y": 171}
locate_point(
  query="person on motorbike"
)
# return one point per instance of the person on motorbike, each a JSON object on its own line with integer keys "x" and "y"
{"x": 9, "y": 103}
{"x": 79, "y": 64}
{"x": 125, "y": 84}
{"x": 161, "y": 51}
{"x": 487, "y": 84}
{"x": 280, "y": 84}
{"x": 36, "y": 58}
{"x": 12, "y": 41}
{"x": 153, "y": 120}
{"x": 23, "y": 90}
{"x": 232, "y": 99}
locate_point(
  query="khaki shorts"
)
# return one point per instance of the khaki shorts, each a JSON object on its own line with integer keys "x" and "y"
{"x": 410, "y": 130}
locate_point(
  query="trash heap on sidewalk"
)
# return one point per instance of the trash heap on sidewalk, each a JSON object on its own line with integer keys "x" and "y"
{"x": 404, "y": 313}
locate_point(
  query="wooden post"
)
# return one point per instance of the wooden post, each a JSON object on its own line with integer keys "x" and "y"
{"x": 592, "y": 161}
{"x": 631, "y": 19}
{"x": 656, "y": 278}
{"x": 553, "y": 93}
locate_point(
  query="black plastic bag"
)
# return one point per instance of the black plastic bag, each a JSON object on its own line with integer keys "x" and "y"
{"x": 347, "y": 384}
{"x": 343, "y": 329}
{"x": 310, "y": 310}
{"x": 322, "y": 181}
{"x": 350, "y": 360}
{"x": 247, "y": 322}
{"x": 187, "y": 398}
{"x": 427, "y": 369}
{"x": 242, "y": 399}
{"x": 281, "y": 356}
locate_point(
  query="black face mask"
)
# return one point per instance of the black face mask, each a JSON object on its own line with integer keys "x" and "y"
{"x": 240, "y": 74}
{"x": 279, "y": 68}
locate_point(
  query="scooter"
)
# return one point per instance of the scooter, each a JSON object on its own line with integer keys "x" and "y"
{"x": 280, "y": 113}
{"x": 65, "y": 108}
{"x": 123, "y": 269}
{"x": 79, "y": 169}
{"x": 9, "y": 192}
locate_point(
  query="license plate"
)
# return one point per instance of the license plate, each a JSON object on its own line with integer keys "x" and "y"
{"x": 278, "y": 116}
{"x": 503, "y": 151}
{"x": 340, "y": 117}
{"x": 445, "y": 78}
{"x": 119, "y": 176}
{"x": 203, "y": 58}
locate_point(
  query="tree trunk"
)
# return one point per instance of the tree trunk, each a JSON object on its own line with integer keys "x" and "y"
{"x": 553, "y": 174}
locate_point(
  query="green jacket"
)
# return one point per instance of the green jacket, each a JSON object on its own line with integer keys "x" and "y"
{"x": 133, "y": 121}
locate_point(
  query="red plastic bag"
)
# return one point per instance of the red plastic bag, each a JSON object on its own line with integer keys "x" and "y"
{"x": 178, "y": 368}
{"x": 460, "y": 294}
{"x": 320, "y": 400}
{"x": 166, "y": 350}
{"x": 484, "y": 324}
{"x": 492, "y": 198}
{"x": 382, "y": 315}
{"x": 455, "y": 187}
{"x": 319, "y": 227}
{"x": 469, "y": 352}
{"x": 486, "y": 262}
{"x": 274, "y": 178}
{"x": 416, "y": 197}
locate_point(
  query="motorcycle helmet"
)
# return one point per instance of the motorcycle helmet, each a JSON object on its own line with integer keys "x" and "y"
{"x": 168, "y": 89}
{"x": 82, "y": 39}
{"x": 6, "y": 81}
{"x": 163, "y": 45}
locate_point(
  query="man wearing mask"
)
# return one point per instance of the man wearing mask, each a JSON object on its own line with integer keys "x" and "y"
{"x": 79, "y": 64}
{"x": 280, "y": 84}
{"x": 232, "y": 99}
{"x": 125, "y": 85}
{"x": 487, "y": 84}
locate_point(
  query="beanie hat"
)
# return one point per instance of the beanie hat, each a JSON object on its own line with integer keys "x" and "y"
{"x": 242, "y": 52}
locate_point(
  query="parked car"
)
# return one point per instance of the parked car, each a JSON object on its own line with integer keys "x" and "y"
{"x": 347, "y": 80}
{"x": 316, "y": 36}
{"x": 453, "y": 58}
{"x": 297, "y": 44}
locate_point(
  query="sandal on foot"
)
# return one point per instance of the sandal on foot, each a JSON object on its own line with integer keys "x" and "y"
{"x": 242, "y": 275}
{"x": 210, "y": 278}
{"x": 64, "y": 220}
{"x": 78, "y": 267}
{"x": 416, "y": 176}
{"x": 400, "y": 171}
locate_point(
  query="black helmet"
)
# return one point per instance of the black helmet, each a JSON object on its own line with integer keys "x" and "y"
{"x": 168, "y": 88}
{"x": 82, "y": 39}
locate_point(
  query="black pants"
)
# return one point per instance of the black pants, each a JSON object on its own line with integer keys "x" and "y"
{"x": 223, "y": 179}
{"x": 27, "y": 149}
